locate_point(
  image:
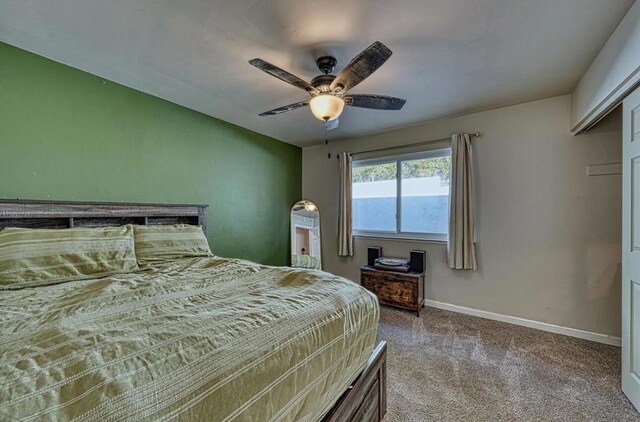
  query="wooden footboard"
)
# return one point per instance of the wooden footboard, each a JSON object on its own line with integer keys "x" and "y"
{"x": 366, "y": 399}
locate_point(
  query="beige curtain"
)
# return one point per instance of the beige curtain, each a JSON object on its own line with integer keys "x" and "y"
{"x": 461, "y": 249}
{"x": 345, "y": 239}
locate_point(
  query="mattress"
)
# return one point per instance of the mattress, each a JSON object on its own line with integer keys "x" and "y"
{"x": 192, "y": 339}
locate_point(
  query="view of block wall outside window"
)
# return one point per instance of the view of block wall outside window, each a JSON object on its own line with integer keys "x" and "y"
{"x": 418, "y": 206}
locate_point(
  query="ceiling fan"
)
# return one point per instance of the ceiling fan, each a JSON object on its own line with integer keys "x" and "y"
{"x": 329, "y": 93}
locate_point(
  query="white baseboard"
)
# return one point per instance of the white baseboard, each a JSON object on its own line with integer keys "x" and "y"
{"x": 572, "y": 332}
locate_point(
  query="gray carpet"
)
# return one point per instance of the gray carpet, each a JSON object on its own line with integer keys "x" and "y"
{"x": 446, "y": 366}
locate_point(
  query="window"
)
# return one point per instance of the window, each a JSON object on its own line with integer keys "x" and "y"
{"x": 404, "y": 196}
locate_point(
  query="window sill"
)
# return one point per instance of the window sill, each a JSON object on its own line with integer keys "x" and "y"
{"x": 396, "y": 238}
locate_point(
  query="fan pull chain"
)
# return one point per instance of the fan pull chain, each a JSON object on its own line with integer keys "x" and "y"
{"x": 326, "y": 141}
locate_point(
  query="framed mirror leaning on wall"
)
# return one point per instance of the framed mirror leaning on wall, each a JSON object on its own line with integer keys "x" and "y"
{"x": 306, "y": 250}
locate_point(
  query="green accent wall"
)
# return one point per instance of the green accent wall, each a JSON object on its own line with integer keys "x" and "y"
{"x": 69, "y": 135}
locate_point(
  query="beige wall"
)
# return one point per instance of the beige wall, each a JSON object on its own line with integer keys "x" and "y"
{"x": 548, "y": 236}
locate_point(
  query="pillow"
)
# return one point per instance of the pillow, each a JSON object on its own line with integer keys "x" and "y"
{"x": 170, "y": 242}
{"x": 36, "y": 257}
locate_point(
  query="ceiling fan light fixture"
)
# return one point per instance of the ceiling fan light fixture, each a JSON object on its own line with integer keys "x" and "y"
{"x": 326, "y": 107}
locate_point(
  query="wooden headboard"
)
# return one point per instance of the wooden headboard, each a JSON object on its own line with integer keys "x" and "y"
{"x": 63, "y": 214}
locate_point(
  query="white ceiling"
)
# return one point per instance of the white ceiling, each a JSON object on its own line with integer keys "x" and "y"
{"x": 450, "y": 57}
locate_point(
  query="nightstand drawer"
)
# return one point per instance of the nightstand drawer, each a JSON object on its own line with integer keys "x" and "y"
{"x": 389, "y": 277}
{"x": 394, "y": 288}
{"x": 392, "y": 292}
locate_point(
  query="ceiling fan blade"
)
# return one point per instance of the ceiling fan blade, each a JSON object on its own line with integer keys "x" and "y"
{"x": 283, "y": 75}
{"x": 284, "y": 109}
{"x": 377, "y": 102}
{"x": 361, "y": 66}
{"x": 332, "y": 124}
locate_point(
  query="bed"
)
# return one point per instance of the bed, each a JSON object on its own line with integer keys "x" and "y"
{"x": 202, "y": 338}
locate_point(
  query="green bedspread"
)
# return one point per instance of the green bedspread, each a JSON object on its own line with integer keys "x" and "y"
{"x": 193, "y": 339}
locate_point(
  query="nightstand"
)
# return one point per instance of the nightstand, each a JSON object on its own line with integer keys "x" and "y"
{"x": 403, "y": 290}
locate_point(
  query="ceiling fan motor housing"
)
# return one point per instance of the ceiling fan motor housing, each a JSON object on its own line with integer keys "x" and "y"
{"x": 323, "y": 82}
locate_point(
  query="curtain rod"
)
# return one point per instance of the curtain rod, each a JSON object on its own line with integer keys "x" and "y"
{"x": 473, "y": 135}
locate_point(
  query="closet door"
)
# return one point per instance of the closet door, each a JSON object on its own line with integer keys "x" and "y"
{"x": 631, "y": 248}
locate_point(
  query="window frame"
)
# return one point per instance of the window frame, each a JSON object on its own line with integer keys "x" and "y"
{"x": 399, "y": 159}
